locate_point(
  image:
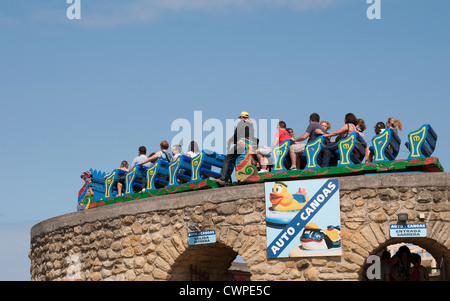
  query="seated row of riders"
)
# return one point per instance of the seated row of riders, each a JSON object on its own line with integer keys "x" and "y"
{"x": 147, "y": 161}
{"x": 262, "y": 156}
{"x": 318, "y": 128}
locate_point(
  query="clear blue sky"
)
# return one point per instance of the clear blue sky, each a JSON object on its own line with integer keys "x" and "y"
{"x": 81, "y": 94}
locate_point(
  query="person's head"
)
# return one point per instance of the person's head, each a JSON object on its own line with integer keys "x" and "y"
{"x": 378, "y": 127}
{"x": 142, "y": 150}
{"x": 361, "y": 126}
{"x": 176, "y": 149}
{"x": 244, "y": 115}
{"x": 403, "y": 253}
{"x": 394, "y": 124}
{"x": 314, "y": 117}
{"x": 325, "y": 125}
{"x": 154, "y": 160}
{"x": 124, "y": 164}
{"x": 290, "y": 131}
{"x": 164, "y": 145}
{"x": 282, "y": 125}
{"x": 416, "y": 259}
{"x": 193, "y": 147}
{"x": 351, "y": 118}
{"x": 386, "y": 255}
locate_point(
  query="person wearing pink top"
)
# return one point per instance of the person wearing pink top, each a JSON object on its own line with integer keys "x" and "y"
{"x": 265, "y": 152}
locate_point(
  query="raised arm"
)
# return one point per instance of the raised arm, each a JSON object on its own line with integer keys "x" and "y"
{"x": 151, "y": 158}
{"x": 302, "y": 137}
{"x": 342, "y": 130}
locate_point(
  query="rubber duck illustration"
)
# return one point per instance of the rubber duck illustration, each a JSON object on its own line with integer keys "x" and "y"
{"x": 301, "y": 195}
{"x": 282, "y": 200}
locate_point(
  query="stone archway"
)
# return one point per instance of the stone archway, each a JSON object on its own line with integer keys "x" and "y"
{"x": 147, "y": 239}
{"x": 438, "y": 251}
{"x": 370, "y": 240}
{"x": 203, "y": 262}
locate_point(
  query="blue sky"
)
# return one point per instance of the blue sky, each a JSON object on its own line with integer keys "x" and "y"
{"x": 81, "y": 94}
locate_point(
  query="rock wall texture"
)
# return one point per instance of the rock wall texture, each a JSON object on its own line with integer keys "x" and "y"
{"x": 147, "y": 239}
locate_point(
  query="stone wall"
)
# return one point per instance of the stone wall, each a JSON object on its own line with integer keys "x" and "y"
{"x": 147, "y": 239}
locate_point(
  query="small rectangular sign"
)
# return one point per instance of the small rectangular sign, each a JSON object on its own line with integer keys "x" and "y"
{"x": 202, "y": 237}
{"x": 408, "y": 230}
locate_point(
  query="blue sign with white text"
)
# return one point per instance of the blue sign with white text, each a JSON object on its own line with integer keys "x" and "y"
{"x": 408, "y": 230}
{"x": 201, "y": 237}
{"x": 298, "y": 225}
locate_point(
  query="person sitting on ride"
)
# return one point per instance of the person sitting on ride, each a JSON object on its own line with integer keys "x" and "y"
{"x": 163, "y": 154}
{"x": 329, "y": 150}
{"x": 394, "y": 124}
{"x": 193, "y": 149}
{"x": 326, "y": 125}
{"x": 124, "y": 167}
{"x": 297, "y": 149}
{"x": 265, "y": 152}
{"x": 361, "y": 127}
{"x": 379, "y": 128}
{"x": 176, "y": 152}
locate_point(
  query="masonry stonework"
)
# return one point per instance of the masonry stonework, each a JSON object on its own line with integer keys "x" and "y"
{"x": 147, "y": 239}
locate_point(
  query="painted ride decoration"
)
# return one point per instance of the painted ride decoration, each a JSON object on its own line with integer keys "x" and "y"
{"x": 187, "y": 174}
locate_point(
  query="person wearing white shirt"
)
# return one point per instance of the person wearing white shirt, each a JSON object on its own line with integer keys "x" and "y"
{"x": 142, "y": 156}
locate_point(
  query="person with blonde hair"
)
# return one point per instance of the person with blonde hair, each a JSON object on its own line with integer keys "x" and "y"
{"x": 394, "y": 124}
{"x": 326, "y": 125}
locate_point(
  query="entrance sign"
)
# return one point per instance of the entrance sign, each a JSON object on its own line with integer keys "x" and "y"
{"x": 408, "y": 230}
{"x": 299, "y": 225}
{"x": 201, "y": 237}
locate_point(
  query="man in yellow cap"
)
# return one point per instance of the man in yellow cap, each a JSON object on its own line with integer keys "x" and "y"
{"x": 244, "y": 115}
{"x": 244, "y": 129}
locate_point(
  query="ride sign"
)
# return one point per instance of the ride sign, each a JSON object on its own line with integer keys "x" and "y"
{"x": 408, "y": 230}
{"x": 201, "y": 237}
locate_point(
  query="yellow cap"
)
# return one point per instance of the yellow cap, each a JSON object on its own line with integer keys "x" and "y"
{"x": 244, "y": 114}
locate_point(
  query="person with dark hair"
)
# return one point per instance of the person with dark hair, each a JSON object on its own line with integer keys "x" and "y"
{"x": 329, "y": 150}
{"x": 291, "y": 132}
{"x": 379, "y": 128}
{"x": 385, "y": 268}
{"x": 310, "y": 134}
{"x": 137, "y": 160}
{"x": 361, "y": 127}
{"x": 418, "y": 272}
{"x": 193, "y": 149}
{"x": 401, "y": 264}
{"x": 163, "y": 154}
{"x": 265, "y": 152}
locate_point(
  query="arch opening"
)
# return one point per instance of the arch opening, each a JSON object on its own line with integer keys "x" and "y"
{"x": 207, "y": 262}
{"x": 434, "y": 256}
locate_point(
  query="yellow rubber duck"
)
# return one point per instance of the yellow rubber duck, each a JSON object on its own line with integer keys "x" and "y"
{"x": 282, "y": 200}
